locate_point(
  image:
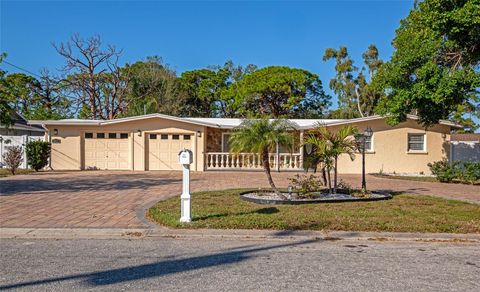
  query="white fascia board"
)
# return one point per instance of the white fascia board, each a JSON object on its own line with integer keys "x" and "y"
{"x": 63, "y": 122}
{"x": 150, "y": 116}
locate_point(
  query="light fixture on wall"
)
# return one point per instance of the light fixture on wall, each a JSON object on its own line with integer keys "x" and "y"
{"x": 139, "y": 132}
{"x": 55, "y": 132}
{"x": 199, "y": 134}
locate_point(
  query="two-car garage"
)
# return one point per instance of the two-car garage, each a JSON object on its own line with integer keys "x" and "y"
{"x": 112, "y": 150}
{"x": 149, "y": 142}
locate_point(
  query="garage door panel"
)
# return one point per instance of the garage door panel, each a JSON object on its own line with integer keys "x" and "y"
{"x": 163, "y": 151}
{"x": 108, "y": 153}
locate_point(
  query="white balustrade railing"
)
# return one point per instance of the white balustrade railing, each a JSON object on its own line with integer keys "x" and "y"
{"x": 225, "y": 160}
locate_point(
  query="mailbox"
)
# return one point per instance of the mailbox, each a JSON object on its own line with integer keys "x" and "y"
{"x": 185, "y": 157}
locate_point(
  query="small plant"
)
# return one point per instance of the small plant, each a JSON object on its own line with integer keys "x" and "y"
{"x": 305, "y": 185}
{"x": 38, "y": 153}
{"x": 13, "y": 158}
{"x": 345, "y": 187}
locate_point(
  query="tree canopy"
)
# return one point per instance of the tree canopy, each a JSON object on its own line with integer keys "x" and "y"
{"x": 356, "y": 96}
{"x": 32, "y": 97}
{"x": 280, "y": 91}
{"x": 153, "y": 87}
{"x": 434, "y": 70}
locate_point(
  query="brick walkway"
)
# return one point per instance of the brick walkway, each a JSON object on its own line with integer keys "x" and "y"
{"x": 115, "y": 199}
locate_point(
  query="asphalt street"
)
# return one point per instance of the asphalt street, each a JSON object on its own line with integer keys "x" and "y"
{"x": 169, "y": 264}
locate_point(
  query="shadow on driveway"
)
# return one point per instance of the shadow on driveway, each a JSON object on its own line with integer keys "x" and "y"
{"x": 77, "y": 183}
{"x": 158, "y": 269}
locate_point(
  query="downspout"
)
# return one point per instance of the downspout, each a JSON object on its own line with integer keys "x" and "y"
{"x": 301, "y": 150}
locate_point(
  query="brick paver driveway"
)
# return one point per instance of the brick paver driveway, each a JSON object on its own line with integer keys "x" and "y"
{"x": 117, "y": 199}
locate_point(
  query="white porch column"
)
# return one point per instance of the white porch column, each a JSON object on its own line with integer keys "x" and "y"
{"x": 24, "y": 149}
{"x": 277, "y": 157}
{"x": 301, "y": 150}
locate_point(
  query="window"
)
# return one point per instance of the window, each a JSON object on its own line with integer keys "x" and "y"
{"x": 186, "y": 137}
{"x": 175, "y": 137}
{"x": 416, "y": 142}
{"x": 100, "y": 135}
{"x": 153, "y": 136}
{"x": 112, "y": 135}
{"x": 226, "y": 142}
{"x": 368, "y": 144}
{"x": 123, "y": 135}
{"x": 164, "y": 137}
{"x": 88, "y": 135}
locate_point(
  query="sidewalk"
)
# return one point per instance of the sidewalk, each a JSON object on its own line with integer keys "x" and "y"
{"x": 270, "y": 235}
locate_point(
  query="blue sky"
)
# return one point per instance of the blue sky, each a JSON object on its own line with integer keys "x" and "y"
{"x": 195, "y": 34}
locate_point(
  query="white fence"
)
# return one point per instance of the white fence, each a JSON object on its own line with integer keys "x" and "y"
{"x": 465, "y": 151}
{"x": 9, "y": 141}
{"x": 245, "y": 161}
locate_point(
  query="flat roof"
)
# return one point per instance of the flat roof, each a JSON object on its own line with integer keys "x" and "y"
{"x": 227, "y": 123}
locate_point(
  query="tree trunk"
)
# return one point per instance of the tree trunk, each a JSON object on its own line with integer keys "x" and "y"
{"x": 335, "y": 177}
{"x": 266, "y": 167}
{"x": 329, "y": 181}
{"x": 358, "y": 103}
{"x": 92, "y": 98}
{"x": 324, "y": 175}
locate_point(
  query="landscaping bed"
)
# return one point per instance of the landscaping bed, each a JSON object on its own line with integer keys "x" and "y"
{"x": 404, "y": 213}
{"x": 269, "y": 198}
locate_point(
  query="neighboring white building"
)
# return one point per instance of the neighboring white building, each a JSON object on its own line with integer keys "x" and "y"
{"x": 465, "y": 147}
{"x": 18, "y": 135}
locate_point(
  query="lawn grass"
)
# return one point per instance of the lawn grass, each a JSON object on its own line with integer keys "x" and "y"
{"x": 404, "y": 213}
{"x": 405, "y": 177}
{"x": 424, "y": 178}
{"x": 6, "y": 172}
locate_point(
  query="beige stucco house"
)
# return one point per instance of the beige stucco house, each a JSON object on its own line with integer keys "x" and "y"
{"x": 152, "y": 142}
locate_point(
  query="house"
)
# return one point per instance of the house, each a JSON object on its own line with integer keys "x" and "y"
{"x": 18, "y": 134}
{"x": 465, "y": 147}
{"x": 152, "y": 142}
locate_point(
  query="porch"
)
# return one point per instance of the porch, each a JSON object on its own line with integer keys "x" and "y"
{"x": 218, "y": 156}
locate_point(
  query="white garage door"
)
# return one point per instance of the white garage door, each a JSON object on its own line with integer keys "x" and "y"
{"x": 163, "y": 150}
{"x": 107, "y": 151}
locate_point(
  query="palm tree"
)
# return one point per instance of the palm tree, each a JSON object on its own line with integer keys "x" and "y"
{"x": 322, "y": 155}
{"x": 330, "y": 145}
{"x": 262, "y": 137}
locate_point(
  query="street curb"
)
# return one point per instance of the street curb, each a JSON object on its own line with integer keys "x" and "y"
{"x": 279, "y": 235}
{"x": 71, "y": 233}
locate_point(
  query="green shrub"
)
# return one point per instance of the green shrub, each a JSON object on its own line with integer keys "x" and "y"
{"x": 306, "y": 184}
{"x": 38, "y": 153}
{"x": 443, "y": 171}
{"x": 471, "y": 172}
{"x": 458, "y": 171}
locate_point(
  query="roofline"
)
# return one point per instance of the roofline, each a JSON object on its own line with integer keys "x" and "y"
{"x": 212, "y": 125}
{"x": 120, "y": 120}
{"x": 378, "y": 117}
{"x": 156, "y": 115}
{"x": 25, "y": 128}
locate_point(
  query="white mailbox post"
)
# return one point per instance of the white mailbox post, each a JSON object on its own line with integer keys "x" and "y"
{"x": 185, "y": 158}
